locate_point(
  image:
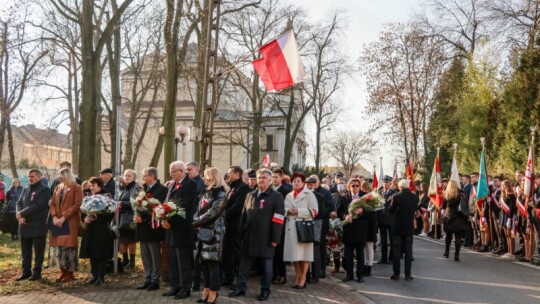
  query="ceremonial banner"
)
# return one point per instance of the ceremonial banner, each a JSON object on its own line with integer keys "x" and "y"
{"x": 435, "y": 185}
{"x": 375, "y": 184}
{"x": 280, "y": 66}
{"x": 482, "y": 191}
{"x": 529, "y": 176}
{"x": 409, "y": 174}
{"x": 266, "y": 161}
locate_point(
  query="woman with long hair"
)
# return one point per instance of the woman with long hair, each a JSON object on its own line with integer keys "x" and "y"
{"x": 508, "y": 203}
{"x": 300, "y": 205}
{"x": 12, "y": 196}
{"x": 65, "y": 214}
{"x": 455, "y": 223}
{"x": 209, "y": 220}
{"x": 128, "y": 239}
{"x": 354, "y": 232}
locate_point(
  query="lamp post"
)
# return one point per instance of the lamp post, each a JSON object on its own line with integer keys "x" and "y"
{"x": 181, "y": 131}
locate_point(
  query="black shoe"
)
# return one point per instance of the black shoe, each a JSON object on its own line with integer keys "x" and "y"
{"x": 347, "y": 279}
{"x": 92, "y": 280}
{"x": 394, "y": 277}
{"x": 323, "y": 275}
{"x": 382, "y": 262}
{"x": 263, "y": 296}
{"x": 237, "y": 292}
{"x": 483, "y": 248}
{"x": 446, "y": 254}
{"x": 170, "y": 293}
{"x": 408, "y": 278}
{"x": 202, "y": 300}
{"x": 152, "y": 286}
{"x": 23, "y": 276}
{"x": 217, "y": 295}
{"x": 182, "y": 294}
{"x": 100, "y": 280}
{"x": 313, "y": 281}
{"x": 456, "y": 258}
{"x": 143, "y": 286}
{"x": 35, "y": 277}
{"x": 360, "y": 280}
{"x": 195, "y": 287}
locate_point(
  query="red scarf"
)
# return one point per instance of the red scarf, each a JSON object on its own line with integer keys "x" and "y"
{"x": 296, "y": 192}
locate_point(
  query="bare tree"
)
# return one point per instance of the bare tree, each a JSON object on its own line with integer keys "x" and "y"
{"x": 348, "y": 148}
{"x": 461, "y": 24}
{"x": 401, "y": 69}
{"x": 20, "y": 56}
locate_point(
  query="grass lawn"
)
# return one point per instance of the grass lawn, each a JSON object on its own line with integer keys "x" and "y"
{"x": 10, "y": 268}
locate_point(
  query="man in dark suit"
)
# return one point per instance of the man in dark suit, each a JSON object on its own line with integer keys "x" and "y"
{"x": 32, "y": 210}
{"x": 260, "y": 227}
{"x": 179, "y": 233}
{"x": 149, "y": 236}
{"x": 232, "y": 247}
{"x": 404, "y": 205}
{"x": 385, "y": 219}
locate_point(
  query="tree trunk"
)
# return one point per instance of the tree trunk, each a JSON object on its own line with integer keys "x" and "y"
{"x": 2, "y": 137}
{"x": 288, "y": 130}
{"x": 318, "y": 146}
{"x": 113, "y": 50}
{"x": 12, "y": 163}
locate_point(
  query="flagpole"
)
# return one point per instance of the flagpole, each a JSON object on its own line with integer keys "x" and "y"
{"x": 489, "y": 226}
{"x": 436, "y": 208}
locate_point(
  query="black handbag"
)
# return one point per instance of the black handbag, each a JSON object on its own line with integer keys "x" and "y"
{"x": 205, "y": 235}
{"x": 125, "y": 221}
{"x": 305, "y": 231}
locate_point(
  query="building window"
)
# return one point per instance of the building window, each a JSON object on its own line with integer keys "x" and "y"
{"x": 62, "y": 156}
{"x": 49, "y": 154}
{"x": 269, "y": 142}
{"x": 58, "y": 155}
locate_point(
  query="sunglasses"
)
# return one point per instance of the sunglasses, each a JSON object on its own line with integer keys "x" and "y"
{"x": 355, "y": 186}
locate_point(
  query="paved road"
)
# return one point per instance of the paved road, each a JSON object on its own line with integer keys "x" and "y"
{"x": 476, "y": 279}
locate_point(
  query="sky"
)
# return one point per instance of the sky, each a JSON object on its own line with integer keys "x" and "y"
{"x": 365, "y": 20}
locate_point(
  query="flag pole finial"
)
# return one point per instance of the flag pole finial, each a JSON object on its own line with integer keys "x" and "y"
{"x": 483, "y": 142}
{"x": 533, "y": 131}
{"x": 455, "y": 147}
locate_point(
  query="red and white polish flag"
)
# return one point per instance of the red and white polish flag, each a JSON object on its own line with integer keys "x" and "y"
{"x": 280, "y": 66}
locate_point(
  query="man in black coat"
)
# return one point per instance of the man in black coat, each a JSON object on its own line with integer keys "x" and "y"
{"x": 404, "y": 205}
{"x": 314, "y": 274}
{"x": 325, "y": 218}
{"x": 32, "y": 210}
{"x": 385, "y": 219}
{"x": 260, "y": 228}
{"x": 109, "y": 185}
{"x": 148, "y": 234}
{"x": 179, "y": 232}
{"x": 193, "y": 170}
{"x": 232, "y": 246}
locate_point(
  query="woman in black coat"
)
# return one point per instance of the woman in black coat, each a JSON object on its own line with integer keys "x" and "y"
{"x": 12, "y": 196}
{"x": 97, "y": 241}
{"x": 354, "y": 232}
{"x": 209, "y": 220}
{"x": 455, "y": 223}
{"x": 128, "y": 239}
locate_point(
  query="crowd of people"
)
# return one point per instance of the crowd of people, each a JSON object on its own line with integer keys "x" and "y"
{"x": 235, "y": 222}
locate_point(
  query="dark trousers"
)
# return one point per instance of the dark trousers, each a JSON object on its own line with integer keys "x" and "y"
{"x": 350, "y": 249}
{"x": 385, "y": 237}
{"x": 246, "y": 264}
{"x": 315, "y": 271}
{"x": 180, "y": 260}
{"x": 97, "y": 267}
{"x": 197, "y": 270}
{"x": 210, "y": 270}
{"x": 499, "y": 238}
{"x": 13, "y": 225}
{"x": 536, "y": 222}
{"x": 458, "y": 240}
{"x": 469, "y": 235}
{"x": 151, "y": 259}
{"x": 322, "y": 248}
{"x": 278, "y": 265}
{"x": 402, "y": 243}
{"x": 232, "y": 253}
{"x": 38, "y": 245}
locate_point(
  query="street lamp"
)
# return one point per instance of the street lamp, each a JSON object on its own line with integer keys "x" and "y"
{"x": 181, "y": 131}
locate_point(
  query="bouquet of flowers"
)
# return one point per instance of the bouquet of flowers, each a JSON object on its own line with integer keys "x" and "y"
{"x": 144, "y": 203}
{"x": 166, "y": 211}
{"x": 94, "y": 205}
{"x": 369, "y": 203}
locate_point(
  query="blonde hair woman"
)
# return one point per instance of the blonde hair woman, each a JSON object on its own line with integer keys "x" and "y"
{"x": 209, "y": 220}
{"x": 128, "y": 239}
{"x": 455, "y": 223}
{"x": 64, "y": 209}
